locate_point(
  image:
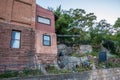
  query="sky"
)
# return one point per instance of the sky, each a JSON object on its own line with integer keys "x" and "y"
{"x": 103, "y": 9}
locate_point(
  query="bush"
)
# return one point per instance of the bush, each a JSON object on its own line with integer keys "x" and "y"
{"x": 113, "y": 65}
{"x": 94, "y": 53}
{"x": 9, "y": 74}
{"x": 26, "y": 72}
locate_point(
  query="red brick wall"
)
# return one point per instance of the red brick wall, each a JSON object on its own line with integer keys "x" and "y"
{"x": 46, "y": 54}
{"x": 17, "y": 15}
{"x": 16, "y": 56}
{"x": 46, "y": 14}
{"x": 20, "y": 15}
{"x": 48, "y": 51}
{"x": 19, "y": 12}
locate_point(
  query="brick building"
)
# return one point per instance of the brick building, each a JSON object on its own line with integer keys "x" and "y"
{"x": 45, "y": 42}
{"x": 27, "y": 33}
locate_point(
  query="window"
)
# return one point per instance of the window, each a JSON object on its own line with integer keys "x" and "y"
{"x": 46, "y": 40}
{"x": 15, "y": 41}
{"x": 44, "y": 20}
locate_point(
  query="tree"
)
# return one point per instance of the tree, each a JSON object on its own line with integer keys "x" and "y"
{"x": 117, "y": 35}
{"x": 62, "y": 23}
{"x": 99, "y": 32}
{"x": 80, "y": 23}
{"x": 81, "y": 19}
{"x": 117, "y": 23}
{"x": 74, "y": 22}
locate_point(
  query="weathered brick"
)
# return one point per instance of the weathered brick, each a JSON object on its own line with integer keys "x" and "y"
{"x": 46, "y": 54}
{"x": 46, "y": 14}
{"x": 9, "y": 55}
{"x": 21, "y": 15}
{"x": 19, "y": 12}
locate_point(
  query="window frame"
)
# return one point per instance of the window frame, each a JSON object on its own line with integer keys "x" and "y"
{"x": 47, "y": 40}
{"x": 15, "y": 39}
{"x": 43, "y": 18}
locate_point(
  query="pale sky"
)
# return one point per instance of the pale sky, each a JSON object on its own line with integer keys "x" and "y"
{"x": 103, "y": 9}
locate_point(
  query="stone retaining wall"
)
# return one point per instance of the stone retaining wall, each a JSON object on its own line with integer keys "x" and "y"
{"x": 106, "y": 74}
{"x": 101, "y": 74}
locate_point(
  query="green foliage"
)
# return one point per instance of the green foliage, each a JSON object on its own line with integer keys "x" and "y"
{"x": 117, "y": 23}
{"x": 73, "y": 22}
{"x": 79, "y": 22}
{"x": 81, "y": 69}
{"x": 52, "y": 69}
{"x": 109, "y": 45}
{"x": 112, "y": 65}
{"x": 79, "y": 55}
{"x": 8, "y": 74}
{"x": 74, "y": 54}
{"x": 65, "y": 71}
{"x": 100, "y": 32}
{"x": 108, "y": 65}
{"x": 94, "y": 53}
{"x": 29, "y": 72}
{"x": 101, "y": 65}
{"x": 26, "y": 72}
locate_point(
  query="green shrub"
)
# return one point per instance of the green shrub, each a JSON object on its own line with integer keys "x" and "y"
{"x": 8, "y": 74}
{"x": 113, "y": 65}
{"x": 26, "y": 72}
{"x": 94, "y": 53}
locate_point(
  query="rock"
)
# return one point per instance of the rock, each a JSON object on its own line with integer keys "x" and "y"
{"x": 72, "y": 62}
{"x": 69, "y": 50}
{"x": 85, "y": 49}
{"x": 69, "y": 62}
{"x": 43, "y": 70}
{"x": 62, "y": 48}
{"x": 56, "y": 65}
{"x": 83, "y": 59}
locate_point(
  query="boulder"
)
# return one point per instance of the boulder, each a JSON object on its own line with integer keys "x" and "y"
{"x": 69, "y": 62}
{"x": 85, "y": 49}
{"x": 62, "y": 48}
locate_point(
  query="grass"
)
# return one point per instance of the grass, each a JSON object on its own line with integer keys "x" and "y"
{"x": 108, "y": 65}
{"x": 26, "y": 72}
{"x": 9, "y": 74}
{"x": 113, "y": 65}
{"x": 53, "y": 70}
{"x": 94, "y": 53}
{"x": 78, "y": 55}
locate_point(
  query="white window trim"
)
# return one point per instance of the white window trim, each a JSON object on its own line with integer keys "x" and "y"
{"x": 47, "y": 40}
{"x": 44, "y": 20}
